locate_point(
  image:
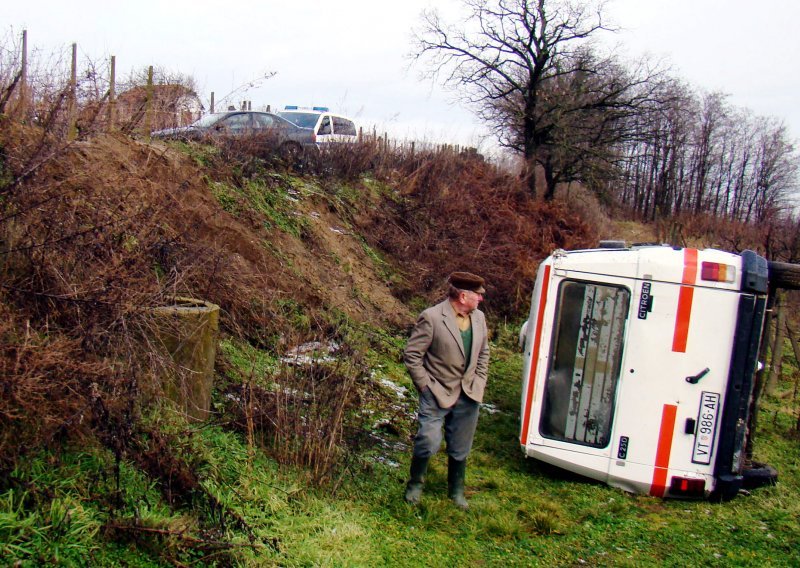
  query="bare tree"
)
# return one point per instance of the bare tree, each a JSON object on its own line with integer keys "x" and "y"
{"x": 697, "y": 154}
{"x": 528, "y": 69}
{"x": 775, "y": 171}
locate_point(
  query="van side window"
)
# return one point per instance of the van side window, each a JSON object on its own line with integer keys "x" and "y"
{"x": 325, "y": 126}
{"x": 587, "y": 357}
{"x": 343, "y": 126}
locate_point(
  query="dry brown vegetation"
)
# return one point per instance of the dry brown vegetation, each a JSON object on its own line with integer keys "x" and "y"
{"x": 460, "y": 213}
{"x": 96, "y": 230}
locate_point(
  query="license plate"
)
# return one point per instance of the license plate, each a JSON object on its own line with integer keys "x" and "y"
{"x": 706, "y": 428}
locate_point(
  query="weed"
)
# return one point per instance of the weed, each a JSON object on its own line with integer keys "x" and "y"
{"x": 380, "y": 265}
{"x": 227, "y": 197}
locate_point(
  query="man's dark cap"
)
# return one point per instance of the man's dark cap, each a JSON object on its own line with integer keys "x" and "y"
{"x": 467, "y": 281}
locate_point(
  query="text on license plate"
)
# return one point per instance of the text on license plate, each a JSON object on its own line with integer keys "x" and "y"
{"x": 706, "y": 427}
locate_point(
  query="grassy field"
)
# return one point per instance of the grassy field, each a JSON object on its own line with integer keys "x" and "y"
{"x": 75, "y": 509}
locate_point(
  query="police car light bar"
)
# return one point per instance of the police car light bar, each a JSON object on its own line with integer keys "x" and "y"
{"x": 315, "y": 109}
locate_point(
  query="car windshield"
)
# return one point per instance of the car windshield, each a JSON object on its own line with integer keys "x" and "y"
{"x": 301, "y": 119}
{"x": 208, "y": 120}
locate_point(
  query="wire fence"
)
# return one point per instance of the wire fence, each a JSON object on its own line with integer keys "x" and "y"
{"x": 75, "y": 98}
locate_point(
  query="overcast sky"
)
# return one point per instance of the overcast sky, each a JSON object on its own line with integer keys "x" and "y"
{"x": 351, "y": 55}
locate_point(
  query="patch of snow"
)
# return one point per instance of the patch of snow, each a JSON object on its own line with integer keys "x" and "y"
{"x": 310, "y": 353}
{"x": 387, "y": 461}
{"x": 399, "y": 390}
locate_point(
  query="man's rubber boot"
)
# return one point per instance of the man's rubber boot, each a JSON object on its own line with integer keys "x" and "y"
{"x": 419, "y": 466}
{"x": 456, "y": 473}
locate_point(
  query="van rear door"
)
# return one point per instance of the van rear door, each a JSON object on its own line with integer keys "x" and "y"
{"x": 572, "y": 408}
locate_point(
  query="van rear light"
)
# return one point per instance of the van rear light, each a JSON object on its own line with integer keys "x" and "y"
{"x": 716, "y": 272}
{"x": 687, "y": 487}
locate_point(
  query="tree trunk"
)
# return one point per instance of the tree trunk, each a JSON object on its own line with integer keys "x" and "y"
{"x": 550, "y": 182}
{"x": 530, "y": 175}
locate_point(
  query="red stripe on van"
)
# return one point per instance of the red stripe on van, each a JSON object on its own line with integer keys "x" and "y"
{"x": 685, "y": 297}
{"x": 535, "y": 359}
{"x": 659, "y": 485}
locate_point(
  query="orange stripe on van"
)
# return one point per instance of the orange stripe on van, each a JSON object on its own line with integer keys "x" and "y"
{"x": 659, "y": 485}
{"x": 535, "y": 359}
{"x": 685, "y": 298}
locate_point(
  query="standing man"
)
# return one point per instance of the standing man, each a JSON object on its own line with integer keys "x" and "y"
{"x": 447, "y": 356}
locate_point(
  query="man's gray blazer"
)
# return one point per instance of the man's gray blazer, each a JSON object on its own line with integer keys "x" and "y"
{"x": 434, "y": 355}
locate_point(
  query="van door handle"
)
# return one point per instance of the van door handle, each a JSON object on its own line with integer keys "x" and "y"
{"x": 696, "y": 378}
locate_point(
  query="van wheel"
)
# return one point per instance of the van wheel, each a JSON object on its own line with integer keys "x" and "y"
{"x": 784, "y": 275}
{"x": 759, "y": 475}
{"x": 290, "y": 152}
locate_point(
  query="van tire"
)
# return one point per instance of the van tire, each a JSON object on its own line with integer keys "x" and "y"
{"x": 759, "y": 475}
{"x": 784, "y": 275}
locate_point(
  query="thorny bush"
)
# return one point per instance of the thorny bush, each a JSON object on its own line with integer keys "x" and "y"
{"x": 457, "y": 212}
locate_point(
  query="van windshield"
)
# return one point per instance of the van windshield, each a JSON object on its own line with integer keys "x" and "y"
{"x": 587, "y": 356}
{"x": 301, "y": 119}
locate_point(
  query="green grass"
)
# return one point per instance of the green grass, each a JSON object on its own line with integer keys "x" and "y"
{"x": 522, "y": 513}
{"x": 271, "y": 197}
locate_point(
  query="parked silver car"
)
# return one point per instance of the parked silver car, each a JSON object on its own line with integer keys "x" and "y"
{"x": 289, "y": 138}
{"x": 327, "y": 126}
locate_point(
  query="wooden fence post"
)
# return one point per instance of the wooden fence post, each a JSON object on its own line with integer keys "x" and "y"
{"x": 212, "y": 102}
{"x": 22, "y": 105}
{"x": 796, "y": 349}
{"x": 112, "y": 95}
{"x": 148, "y": 102}
{"x": 776, "y": 355}
{"x": 360, "y": 134}
{"x": 72, "y": 107}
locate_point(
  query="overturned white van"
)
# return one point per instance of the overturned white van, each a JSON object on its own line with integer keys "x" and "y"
{"x": 639, "y": 366}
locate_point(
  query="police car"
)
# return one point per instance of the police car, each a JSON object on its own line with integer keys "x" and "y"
{"x": 327, "y": 126}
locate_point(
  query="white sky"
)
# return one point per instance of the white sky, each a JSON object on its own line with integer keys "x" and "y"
{"x": 351, "y": 55}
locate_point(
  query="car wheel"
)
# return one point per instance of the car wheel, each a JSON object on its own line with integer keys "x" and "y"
{"x": 784, "y": 275}
{"x": 290, "y": 152}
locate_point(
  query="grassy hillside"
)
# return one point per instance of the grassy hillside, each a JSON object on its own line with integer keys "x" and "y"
{"x": 303, "y": 460}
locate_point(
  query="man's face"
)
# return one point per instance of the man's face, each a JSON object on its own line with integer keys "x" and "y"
{"x": 471, "y": 299}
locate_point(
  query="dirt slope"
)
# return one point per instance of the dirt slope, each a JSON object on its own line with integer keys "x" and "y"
{"x": 151, "y": 206}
